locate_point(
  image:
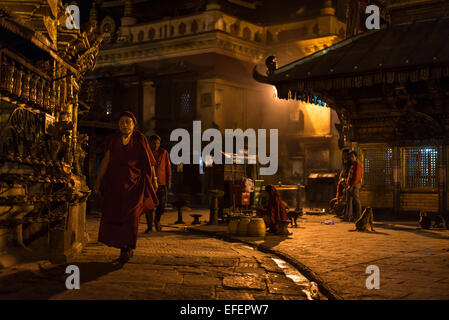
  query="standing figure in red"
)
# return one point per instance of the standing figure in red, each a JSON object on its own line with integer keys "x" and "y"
{"x": 163, "y": 174}
{"x": 126, "y": 178}
{"x": 354, "y": 207}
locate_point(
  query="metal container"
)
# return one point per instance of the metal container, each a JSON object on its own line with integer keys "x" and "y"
{"x": 243, "y": 226}
{"x": 233, "y": 225}
{"x": 256, "y": 227}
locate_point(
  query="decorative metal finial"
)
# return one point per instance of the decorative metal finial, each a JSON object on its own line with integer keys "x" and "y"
{"x": 328, "y": 9}
{"x": 272, "y": 64}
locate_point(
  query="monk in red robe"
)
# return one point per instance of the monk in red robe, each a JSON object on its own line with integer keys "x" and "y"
{"x": 127, "y": 180}
{"x": 275, "y": 209}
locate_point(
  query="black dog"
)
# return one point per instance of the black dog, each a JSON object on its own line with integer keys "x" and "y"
{"x": 426, "y": 221}
{"x": 365, "y": 220}
{"x": 293, "y": 216}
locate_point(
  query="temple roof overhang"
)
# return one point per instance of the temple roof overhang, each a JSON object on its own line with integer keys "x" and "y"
{"x": 401, "y": 53}
{"x": 40, "y": 41}
{"x": 21, "y": 25}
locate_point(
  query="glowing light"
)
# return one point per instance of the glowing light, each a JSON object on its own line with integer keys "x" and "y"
{"x": 275, "y": 92}
{"x": 201, "y": 165}
{"x": 208, "y": 160}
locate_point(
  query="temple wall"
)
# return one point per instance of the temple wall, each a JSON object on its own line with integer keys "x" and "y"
{"x": 376, "y": 198}
{"x": 419, "y": 201}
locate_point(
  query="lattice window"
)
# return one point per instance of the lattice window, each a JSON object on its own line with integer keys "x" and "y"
{"x": 420, "y": 167}
{"x": 377, "y": 167}
{"x": 185, "y": 102}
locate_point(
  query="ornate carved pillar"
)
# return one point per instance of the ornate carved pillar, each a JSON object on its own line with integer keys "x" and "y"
{"x": 344, "y": 130}
{"x": 92, "y": 168}
{"x": 396, "y": 179}
{"x": 442, "y": 179}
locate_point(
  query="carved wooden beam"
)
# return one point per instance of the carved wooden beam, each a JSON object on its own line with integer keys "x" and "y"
{"x": 389, "y": 98}
{"x": 348, "y": 100}
{"x": 436, "y": 94}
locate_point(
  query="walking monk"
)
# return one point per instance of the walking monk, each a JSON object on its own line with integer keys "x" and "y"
{"x": 163, "y": 173}
{"x": 128, "y": 181}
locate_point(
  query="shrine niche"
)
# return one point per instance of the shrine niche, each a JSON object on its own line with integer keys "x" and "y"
{"x": 43, "y": 190}
{"x": 390, "y": 89}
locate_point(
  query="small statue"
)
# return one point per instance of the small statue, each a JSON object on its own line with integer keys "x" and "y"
{"x": 272, "y": 64}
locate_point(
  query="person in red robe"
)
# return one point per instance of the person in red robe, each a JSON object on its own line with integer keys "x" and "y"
{"x": 163, "y": 173}
{"x": 275, "y": 209}
{"x": 354, "y": 207}
{"x": 127, "y": 180}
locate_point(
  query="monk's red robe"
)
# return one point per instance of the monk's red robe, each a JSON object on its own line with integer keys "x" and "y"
{"x": 127, "y": 189}
{"x": 276, "y": 209}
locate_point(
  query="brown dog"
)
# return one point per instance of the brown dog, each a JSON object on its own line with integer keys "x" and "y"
{"x": 365, "y": 220}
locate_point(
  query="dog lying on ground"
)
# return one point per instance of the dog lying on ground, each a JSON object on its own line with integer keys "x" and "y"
{"x": 426, "y": 221}
{"x": 365, "y": 220}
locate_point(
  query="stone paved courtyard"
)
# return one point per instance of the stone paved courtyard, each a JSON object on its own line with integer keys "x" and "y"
{"x": 177, "y": 264}
{"x": 170, "y": 265}
{"x": 413, "y": 263}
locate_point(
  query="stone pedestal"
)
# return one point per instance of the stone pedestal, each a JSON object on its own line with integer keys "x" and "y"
{"x": 180, "y": 204}
{"x": 196, "y": 218}
{"x": 68, "y": 237}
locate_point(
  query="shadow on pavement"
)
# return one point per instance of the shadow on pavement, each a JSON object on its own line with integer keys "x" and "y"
{"x": 373, "y": 232}
{"x": 273, "y": 240}
{"x": 426, "y": 233}
{"x": 45, "y": 283}
{"x": 166, "y": 232}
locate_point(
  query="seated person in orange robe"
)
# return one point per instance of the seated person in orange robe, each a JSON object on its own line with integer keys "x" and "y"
{"x": 273, "y": 209}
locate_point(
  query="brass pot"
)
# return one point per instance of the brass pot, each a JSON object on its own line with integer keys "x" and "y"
{"x": 256, "y": 227}
{"x": 233, "y": 225}
{"x": 243, "y": 226}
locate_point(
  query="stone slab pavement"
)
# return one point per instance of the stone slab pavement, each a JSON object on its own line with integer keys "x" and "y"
{"x": 413, "y": 263}
{"x": 168, "y": 265}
